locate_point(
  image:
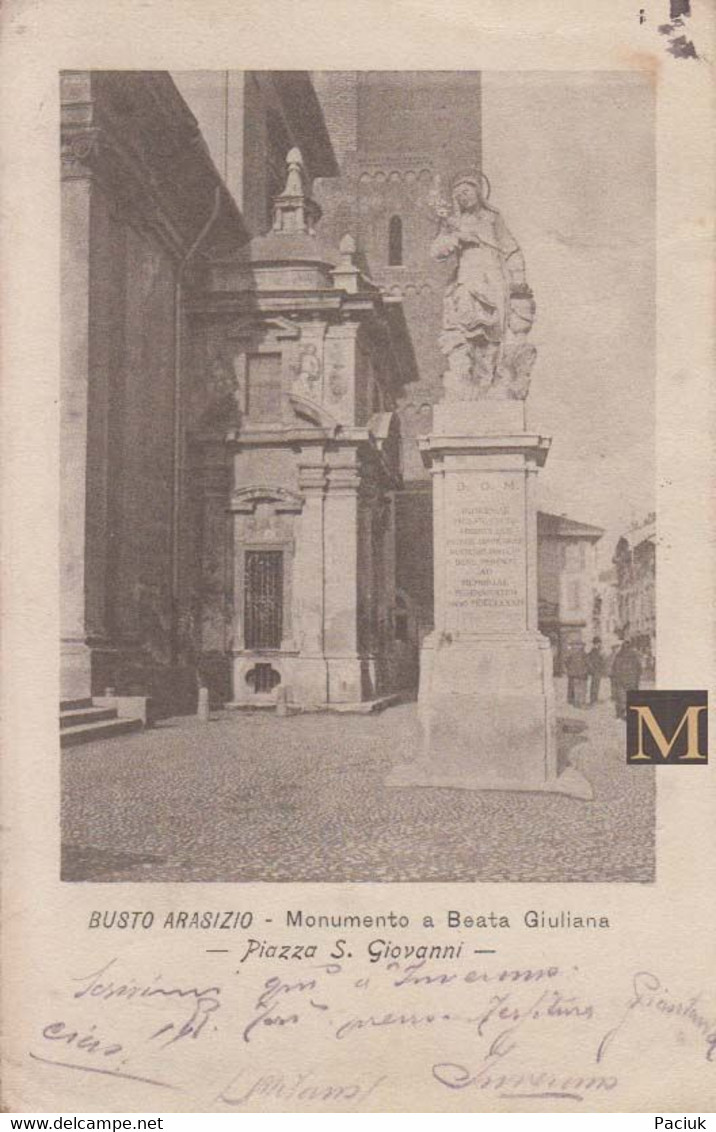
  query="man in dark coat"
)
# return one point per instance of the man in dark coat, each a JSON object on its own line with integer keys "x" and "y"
{"x": 597, "y": 666}
{"x": 577, "y": 669}
{"x": 626, "y": 674}
{"x": 610, "y": 672}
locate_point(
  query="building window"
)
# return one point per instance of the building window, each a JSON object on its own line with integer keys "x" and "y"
{"x": 263, "y": 599}
{"x": 395, "y": 242}
{"x": 574, "y": 556}
{"x": 263, "y": 388}
{"x": 574, "y": 596}
{"x": 263, "y": 678}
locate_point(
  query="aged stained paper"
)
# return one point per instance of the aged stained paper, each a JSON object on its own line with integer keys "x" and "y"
{"x": 172, "y": 957}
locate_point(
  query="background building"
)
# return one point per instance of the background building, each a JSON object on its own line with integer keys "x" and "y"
{"x": 567, "y": 581}
{"x": 607, "y": 620}
{"x": 635, "y": 567}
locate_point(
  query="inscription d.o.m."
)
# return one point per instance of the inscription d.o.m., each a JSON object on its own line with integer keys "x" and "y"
{"x": 485, "y": 552}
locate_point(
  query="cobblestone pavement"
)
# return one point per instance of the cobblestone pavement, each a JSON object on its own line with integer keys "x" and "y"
{"x": 256, "y": 797}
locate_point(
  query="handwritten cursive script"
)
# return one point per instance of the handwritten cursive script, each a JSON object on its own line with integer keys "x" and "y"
{"x": 650, "y": 994}
{"x": 315, "y": 1035}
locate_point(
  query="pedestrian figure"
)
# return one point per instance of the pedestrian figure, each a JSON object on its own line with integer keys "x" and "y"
{"x": 626, "y": 674}
{"x": 597, "y": 665}
{"x": 569, "y": 672}
{"x": 610, "y": 673}
{"x": 577, "y": 668}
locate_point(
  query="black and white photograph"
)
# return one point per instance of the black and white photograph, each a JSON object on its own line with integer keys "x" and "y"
{"x": 358, "y": 539}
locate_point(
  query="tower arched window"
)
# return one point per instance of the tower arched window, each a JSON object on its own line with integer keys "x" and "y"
{"x": 395, "y": 242}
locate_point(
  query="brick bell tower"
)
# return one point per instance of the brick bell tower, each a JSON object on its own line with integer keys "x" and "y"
{"x": 398, "y": 136}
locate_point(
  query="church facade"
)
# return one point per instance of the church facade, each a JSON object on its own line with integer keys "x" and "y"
{"x": 295, "y": 438}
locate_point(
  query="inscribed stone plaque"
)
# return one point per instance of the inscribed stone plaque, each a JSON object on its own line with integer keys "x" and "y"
{"x": 485, "y": 552}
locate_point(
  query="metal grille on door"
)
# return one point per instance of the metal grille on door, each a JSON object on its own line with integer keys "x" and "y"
{"x": 263, "y": 599}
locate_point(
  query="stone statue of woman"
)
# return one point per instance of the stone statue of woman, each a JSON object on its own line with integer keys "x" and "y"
{"x": 489, "y": 308}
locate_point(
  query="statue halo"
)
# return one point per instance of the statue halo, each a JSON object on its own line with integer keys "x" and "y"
{"x": 473, "y": 177}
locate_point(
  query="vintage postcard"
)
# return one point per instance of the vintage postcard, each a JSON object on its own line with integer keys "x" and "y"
{"x": 359, "y": 574}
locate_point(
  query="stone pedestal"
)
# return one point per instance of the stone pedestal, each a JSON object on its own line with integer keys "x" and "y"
{"x": 486, "y": 700}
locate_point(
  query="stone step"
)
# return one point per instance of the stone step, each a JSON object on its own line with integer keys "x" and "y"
{"x": 77, "y": 716}
{"x": 74, "y": 705}
{"x": 359, "y": 707}
{"x": 88, "y": 732}
{"x": 369, "y": 707}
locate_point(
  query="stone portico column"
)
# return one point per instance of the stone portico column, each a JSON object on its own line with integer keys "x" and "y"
{"x": 92, "y": 251}
{"x": 75, "y": 653}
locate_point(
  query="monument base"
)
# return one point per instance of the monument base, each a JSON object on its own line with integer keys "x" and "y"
{"x": 570, "y": 782}
{"x": 486, "y": 709}
{"x": 486, "y": 702}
